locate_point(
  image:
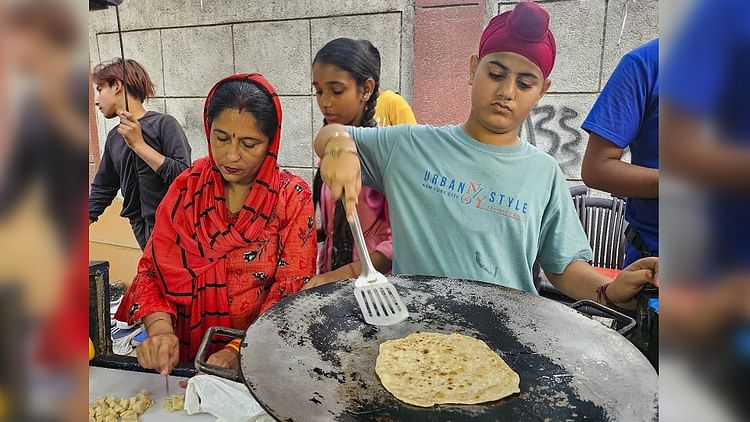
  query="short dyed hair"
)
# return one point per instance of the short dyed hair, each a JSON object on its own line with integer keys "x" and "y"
{"x": 139, "y": 84}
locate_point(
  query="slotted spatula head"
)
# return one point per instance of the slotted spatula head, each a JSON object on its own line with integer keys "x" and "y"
{"x": 379, "y": 301}
{"x": 377, "y": 297}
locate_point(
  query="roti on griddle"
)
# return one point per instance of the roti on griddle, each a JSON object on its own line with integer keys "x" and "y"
{"x": 425, "y": 369}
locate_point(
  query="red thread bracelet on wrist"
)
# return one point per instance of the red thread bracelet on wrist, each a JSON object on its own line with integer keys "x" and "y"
{"x": 601, "y": 292}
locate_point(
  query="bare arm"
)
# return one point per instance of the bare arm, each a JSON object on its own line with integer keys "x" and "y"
{"x": 152, "y": 157}
{"x": 691, "y": 151}
{"x": 580, "y": 281}
{"x": 381, "y": 263}
{"x": 158, "y": 323}
{"x": 602, "y": 169}
{"x": 340, "y": 167}
{"x": 326, "y": 134}
{"x": 160, "y": 351}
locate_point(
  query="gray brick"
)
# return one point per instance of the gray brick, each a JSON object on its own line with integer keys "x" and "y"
{"x": 189, "y": 113}
{"x": 103, "y": 20}
{"x": 141, "y": 46}
{"x": 380, "y": 30}
{"x": 156, "y": 104}
{"x": 168, "y": 13}
{"x": 278, "y": 50}
{"x": 196, "y": 58}
{"x": 93, "y": 49}
{"x": 557, "y": 129}
{"x": 578, "y": 27}
{"x": 296, "y": 136}
{"x": 296, "y": 146}
{"x": 641, "y": 25}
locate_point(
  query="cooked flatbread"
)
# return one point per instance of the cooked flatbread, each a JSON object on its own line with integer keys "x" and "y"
{"x": 425, "y": 369}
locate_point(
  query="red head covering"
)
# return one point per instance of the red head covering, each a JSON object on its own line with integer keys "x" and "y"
{"x": 525, "y": 31}
{"x": 187, "y": 251}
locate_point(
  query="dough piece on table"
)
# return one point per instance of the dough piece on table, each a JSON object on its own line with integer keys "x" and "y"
{"x": 112, "y": 409}
{"x": 174, "y": 403}
{"x": 128, "y": 416}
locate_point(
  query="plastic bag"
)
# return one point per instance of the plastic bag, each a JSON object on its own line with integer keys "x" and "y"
{"x": 229, "y": 401}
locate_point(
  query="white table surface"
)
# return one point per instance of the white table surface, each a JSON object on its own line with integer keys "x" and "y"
{"x": 126, "y": 384}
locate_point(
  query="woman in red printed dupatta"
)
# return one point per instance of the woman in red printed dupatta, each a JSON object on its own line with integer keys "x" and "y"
{"x": 233, "y": 235}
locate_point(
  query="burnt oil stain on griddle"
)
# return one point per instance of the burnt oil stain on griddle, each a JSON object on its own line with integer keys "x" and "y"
{"x": 328, "y": 328}
{"x": 545, "y": 391}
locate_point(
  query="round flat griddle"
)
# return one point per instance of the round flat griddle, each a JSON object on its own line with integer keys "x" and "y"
{"x": 312, "y": 357}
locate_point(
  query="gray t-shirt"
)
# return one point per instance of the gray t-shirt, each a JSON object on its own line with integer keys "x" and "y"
{"x": 460, "y": 208}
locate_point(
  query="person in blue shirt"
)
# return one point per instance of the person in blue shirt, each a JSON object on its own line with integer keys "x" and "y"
{"x": 706, "y": 126}
{"x": 706, "y": 142}
{"x": 626, "y": 114}
{"x": 473, "y": 201}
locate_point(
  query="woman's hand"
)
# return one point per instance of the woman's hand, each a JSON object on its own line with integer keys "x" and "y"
{"x": 628, "y": 284}
{"x": 160, "y": 352}
{"x": 225, "y": 358}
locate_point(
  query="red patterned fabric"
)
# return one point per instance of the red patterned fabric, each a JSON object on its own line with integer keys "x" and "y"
{"x": 197, "y": 255}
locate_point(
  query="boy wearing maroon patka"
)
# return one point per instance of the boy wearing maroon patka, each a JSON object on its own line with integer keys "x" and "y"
{"x": 474, "y": 201}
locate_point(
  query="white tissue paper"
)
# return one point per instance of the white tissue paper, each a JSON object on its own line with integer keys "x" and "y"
{"x": 229, "y": 401}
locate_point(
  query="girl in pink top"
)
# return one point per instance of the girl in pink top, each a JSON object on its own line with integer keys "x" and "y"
{"x": 346, "y": 78}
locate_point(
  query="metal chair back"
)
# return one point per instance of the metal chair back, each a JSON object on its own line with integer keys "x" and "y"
{"x": 603, "y": 220}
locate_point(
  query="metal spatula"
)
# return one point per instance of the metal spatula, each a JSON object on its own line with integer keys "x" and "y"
{"x": 377, "y": 297}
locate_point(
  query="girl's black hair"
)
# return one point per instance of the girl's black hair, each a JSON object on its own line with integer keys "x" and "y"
{"x": 244, "y": 95}
{"x": 361, "y": 60}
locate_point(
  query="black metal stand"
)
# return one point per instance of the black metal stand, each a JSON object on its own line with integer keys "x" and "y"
{"x": 100, "y": 326}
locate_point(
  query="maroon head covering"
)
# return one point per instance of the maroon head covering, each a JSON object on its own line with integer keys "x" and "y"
{"x": 525, "y": 31}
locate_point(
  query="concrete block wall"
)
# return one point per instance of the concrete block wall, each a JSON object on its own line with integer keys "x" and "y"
{"x": 591, "y": 36}
{"x": 188, "y": 45}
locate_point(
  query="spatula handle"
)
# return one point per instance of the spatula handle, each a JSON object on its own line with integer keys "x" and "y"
{"x": 367, "y": 270}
